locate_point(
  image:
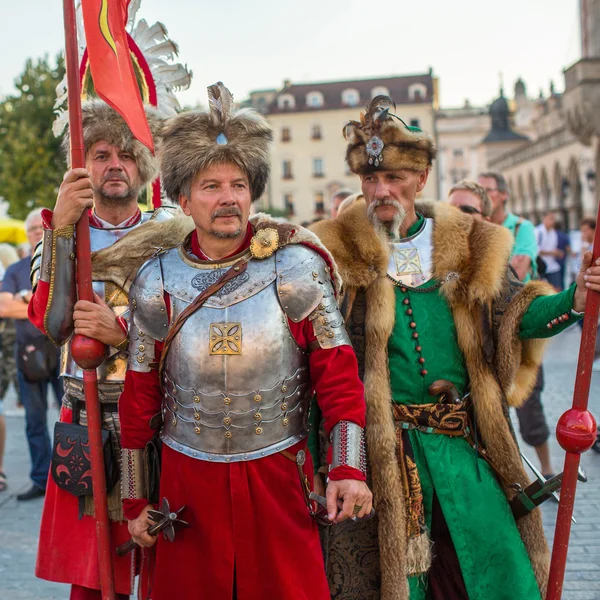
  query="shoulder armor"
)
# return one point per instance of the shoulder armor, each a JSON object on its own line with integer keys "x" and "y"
{"x": 303, "y": 279}
{"x": 147, "y": 302}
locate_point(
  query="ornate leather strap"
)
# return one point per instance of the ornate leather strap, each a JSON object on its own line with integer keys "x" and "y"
{"x": 237, "y": 269}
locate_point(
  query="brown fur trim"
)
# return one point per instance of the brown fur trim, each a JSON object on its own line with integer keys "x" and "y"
{"x": 189, "y": 146}
{"x": 518, "y": 361}
{"x": 381, "y": 442}
{"x": 120, "y": 262}
{"x": 102, "y": 123}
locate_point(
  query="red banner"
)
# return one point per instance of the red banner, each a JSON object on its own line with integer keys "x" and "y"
{"x": 110, "y": 63}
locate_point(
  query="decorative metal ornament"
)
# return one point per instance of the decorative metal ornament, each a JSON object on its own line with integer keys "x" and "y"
{"x": 222, "y": 139}
{"x": 264, "y": 243}
{"x": 374, "y": 149}
{"x": 226, "y": 339}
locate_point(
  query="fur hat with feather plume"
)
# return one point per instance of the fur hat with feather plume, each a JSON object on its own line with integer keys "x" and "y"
{"x": 195, "y": 140}
{"x": 383, "y": 141}
{"x": 102, "y": 123}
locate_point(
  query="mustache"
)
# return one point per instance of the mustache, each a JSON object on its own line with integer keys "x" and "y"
{"x": 385, "y": 202}
{"x": 231, "y": 211}
{"x": 115, "y": 175}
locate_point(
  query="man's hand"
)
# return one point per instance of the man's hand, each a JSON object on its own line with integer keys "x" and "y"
{"x": 74, "y": 196}
{"x": 588, "y": 279}
{"x": 521, "y": 264}
{"x": 356, "y": 497}
{"x": 138, "y": 528}
{"x": 97, "y": 321}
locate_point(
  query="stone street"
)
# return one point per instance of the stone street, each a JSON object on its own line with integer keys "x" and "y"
{"x": 19, "y": 522}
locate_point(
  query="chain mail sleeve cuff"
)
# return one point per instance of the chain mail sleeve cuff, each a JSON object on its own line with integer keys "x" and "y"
{"x": 348, "y": 446}
{"x": 133, "y": 479}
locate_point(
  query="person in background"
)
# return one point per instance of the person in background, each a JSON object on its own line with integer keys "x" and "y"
{"x": 472, "y": 199}
{"x": 337, "y": 199}
{"x": 532, "y": 421}
{"x": 24, "y": 250}
{"x": 564, "y": 245}
{"x": 547, "y": 241}
{"x": 14, "y": 300}
{"x": 8, "y": 371}
{"x": 588, "y": 230}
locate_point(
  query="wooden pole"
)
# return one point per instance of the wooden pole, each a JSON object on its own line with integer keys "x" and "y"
{"x": 576, "y": 429}
{"x": 87, "y": 353}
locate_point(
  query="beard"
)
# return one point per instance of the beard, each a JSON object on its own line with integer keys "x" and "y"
{"x": 226, "y": 212}
{"x": 386, "y": 229}
{"x": 116, "y": 197}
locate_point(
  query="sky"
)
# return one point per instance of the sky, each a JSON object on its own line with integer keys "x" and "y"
{"x": 257, "y": 44}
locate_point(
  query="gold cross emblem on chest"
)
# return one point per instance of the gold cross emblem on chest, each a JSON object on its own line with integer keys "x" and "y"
{"x": 408, "y": 261}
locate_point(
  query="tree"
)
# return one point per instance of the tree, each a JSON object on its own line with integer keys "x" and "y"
{"x": 31, "y": 162}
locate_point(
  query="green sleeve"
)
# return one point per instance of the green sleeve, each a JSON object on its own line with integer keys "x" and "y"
{"x": 525, "y": 242}
{"x": 542, "y": 310}
{"x": 314, "y": 421}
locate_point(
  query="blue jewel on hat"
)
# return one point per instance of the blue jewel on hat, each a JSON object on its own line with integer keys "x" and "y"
{"x": 222, "y": 139}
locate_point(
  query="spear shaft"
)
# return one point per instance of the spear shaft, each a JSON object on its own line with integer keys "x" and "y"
{"x": 87, "y": 353}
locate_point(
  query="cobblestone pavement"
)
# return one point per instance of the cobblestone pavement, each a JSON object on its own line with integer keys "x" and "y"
{"x": 19, "y": 522}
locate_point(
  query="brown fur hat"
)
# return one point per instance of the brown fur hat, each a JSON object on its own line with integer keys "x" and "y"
{"x": 195, "y": 140}
{"x": 102, "y": 123}
{"x": 382, "y": 141}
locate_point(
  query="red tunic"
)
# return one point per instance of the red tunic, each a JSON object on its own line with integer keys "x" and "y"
{"x": 249, "y": 525}
{"x": 67, "y": 550}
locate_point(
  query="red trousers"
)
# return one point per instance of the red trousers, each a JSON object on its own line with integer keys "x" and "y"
{"x": 83, "y": 593}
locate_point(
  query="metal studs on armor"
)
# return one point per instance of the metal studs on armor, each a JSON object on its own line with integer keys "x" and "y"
{"x": 284, "y": 388}
{"x": 259, "y": 430}
{"x": 196, "y": 399}
{"x": 141, "y": 359}
{"x": 257, "y": 417}
{"x": 141, "y": 347}
{"x": 286, "y": 422}
{"x": 197, "y": 430}
{"x": 228, "y": 435}
{"x": 284, "y": 406}
{"x": 197, "y": 416}
{"x": 227, "y": 401}
{"x": 257, "y": 398}
{"x": 227, "y": 421}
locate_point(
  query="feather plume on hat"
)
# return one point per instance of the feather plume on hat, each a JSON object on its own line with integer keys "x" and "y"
{"x": 195, "y": 140}
{"x": 383, "y": 141}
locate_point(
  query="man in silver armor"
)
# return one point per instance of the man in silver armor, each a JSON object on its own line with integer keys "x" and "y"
{"x": 232, "y": 332}
{"x": 117, "y": 168}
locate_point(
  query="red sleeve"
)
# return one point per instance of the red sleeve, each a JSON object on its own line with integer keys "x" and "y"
{"x": 339, "y": 390}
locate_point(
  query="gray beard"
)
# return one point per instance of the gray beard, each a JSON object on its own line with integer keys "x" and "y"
{"x": 118, "y": 199}
{"x": 225, "y": 235}
{"x": 386, "y": 230}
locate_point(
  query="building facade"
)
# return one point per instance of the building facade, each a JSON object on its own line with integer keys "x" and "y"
{"x": 308, "y": 156}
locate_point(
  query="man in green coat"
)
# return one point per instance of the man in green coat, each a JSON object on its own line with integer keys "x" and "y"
{"x": 428, "y": 297}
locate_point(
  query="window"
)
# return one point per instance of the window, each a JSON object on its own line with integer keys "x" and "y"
{"x": 288, "y": 204}
{"x": 350, "y": 97}
{"x": 417, "y": 92}
{"x": 287, "y": 169}
{"x": 457, "y": 152}
{"x": 286, "y": 102}
{"x": 315, "y": 99}
{"x": 318, "y": 167}
{"x": 286, "y": 135}
{"x": 319, "y": 203}
{"x": 316, "y": 132}
{"x": 380, "y": 90}
{"x": 414, "y": 122}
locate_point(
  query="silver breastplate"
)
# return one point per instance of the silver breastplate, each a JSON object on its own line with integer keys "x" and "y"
{"x": 411, "y": 260}
{"x": 113, "y": 369}
{"x": 236, "y": 384}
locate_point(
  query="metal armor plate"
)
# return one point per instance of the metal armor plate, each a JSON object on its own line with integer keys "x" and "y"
{"x": 411, "y": 260}
{"x": 236, "y": 385}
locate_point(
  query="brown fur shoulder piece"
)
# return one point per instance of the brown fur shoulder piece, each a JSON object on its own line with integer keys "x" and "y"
{"x": 120, "y": 262}
{"x": 195, "y": 140}
{"x": 102, "y": 123}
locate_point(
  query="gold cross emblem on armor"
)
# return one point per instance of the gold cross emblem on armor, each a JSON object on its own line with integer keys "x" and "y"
{"x": 408, "y": 261}
{"x": 226, "y": 339}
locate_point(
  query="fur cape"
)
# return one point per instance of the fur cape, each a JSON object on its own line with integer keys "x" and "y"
{"x": 487, "y": 306}
{"x": 120, "y": 262}
{"x": 102, "y": 123}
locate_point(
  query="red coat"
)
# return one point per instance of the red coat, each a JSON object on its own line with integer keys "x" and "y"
{"x": 249, "y": 525}
{"x": 67, "y": 550}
